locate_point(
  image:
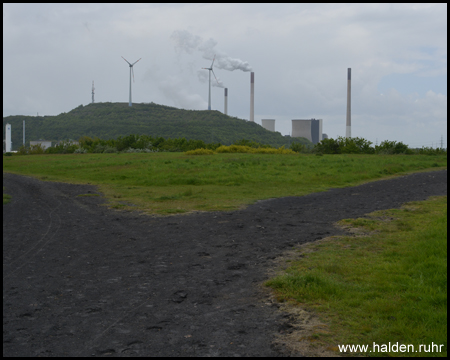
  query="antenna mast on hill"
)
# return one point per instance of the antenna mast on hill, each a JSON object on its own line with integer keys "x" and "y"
{"x": 93, "y": 91}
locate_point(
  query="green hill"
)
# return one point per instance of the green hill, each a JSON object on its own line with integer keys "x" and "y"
{"x": 111, "y": 120}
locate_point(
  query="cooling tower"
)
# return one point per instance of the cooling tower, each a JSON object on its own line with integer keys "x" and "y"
{"x": 268, "y": 124}
{"x": 348, "y": 129}
{"x": 226, "y": 102}
{"x": 309, "y": 129}
{"x": 252, "y": 96}
{"x": 8, "y": 143}
{"x": 301, "y": 128}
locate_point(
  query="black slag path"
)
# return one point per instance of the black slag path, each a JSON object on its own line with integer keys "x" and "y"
{"x": 80, "y": 279}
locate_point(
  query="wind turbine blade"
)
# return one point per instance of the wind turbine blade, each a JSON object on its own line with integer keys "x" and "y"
{"x": 135, "y": 62}
{"x": 126, "y": 60}
{"x": 132, "y": 70}
{"x": 213, "y": 61}
{"x": 215, "y": 76}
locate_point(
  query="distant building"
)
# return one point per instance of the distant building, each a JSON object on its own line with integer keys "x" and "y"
{"x": 44, "y": 144}
{"x": 309, "y": 129}
{"x": 324, "y": 136}
{"x": 268, "y": 124}
{"x": 69, "y": 142}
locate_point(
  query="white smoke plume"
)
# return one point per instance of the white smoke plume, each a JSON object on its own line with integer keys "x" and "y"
{"x": 203, "y": 78}
{"x": 188, "y": 42}
{"x": 172, "y": 89}
{"x": 184, "y": 40}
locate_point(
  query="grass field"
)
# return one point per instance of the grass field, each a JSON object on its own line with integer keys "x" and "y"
{"x": 169, "y": 183}
{"x": 389, "y": 285}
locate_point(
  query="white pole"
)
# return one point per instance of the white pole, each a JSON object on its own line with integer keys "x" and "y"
{"x": 8, "y": 143}
{"x": 348, "y": 130}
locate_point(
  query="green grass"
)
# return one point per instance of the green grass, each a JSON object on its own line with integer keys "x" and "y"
{"x": 163, "y": 183}
{"x": 6, "y": 197}
{"x": 389, "y": 286}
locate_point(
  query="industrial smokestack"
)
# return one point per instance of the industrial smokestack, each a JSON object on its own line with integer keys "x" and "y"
{"x": 24, "y": 133}
{"x": 252, "y": 96}
{"x": 226, "y": 102}
{"x": 348, "y": 130}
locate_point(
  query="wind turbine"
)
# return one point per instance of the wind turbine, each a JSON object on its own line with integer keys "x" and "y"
{"x": 131, "y": 70}
{"x": 211, "y": 69}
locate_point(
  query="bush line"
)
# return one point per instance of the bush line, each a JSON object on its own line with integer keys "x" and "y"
{"x": 145, "y": 143}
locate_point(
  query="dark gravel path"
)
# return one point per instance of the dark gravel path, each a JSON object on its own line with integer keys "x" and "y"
{"x": 80, "y": 279}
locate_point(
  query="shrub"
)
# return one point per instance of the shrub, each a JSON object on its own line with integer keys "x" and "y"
{"x": 280, "y": 150}
{"x": 64, "y": 147}
{"x": 234, "y": 149}
{"x": 297, "y": 147}
{"x": 200, "y": 152}
{"x": 430, "y": 151}
{"x": 392, "y": 147}
{"x": 35, "y": 149}
{"x": 251, "y": 150}
{"x": 23, "y": 150}
{"x": 99, "y": 149}
{"x": 250, "y": 143}
{"x": 328, "y": 146}
{"x": 109, "y": 150}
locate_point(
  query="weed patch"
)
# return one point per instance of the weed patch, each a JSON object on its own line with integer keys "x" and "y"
{"x": 6, "y": 197}
{"x": 388, "y": 286}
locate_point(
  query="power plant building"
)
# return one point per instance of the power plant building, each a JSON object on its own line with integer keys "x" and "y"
{"x": 44, "y": 144}
{"x": 309, "y": 129}
{"x": 268, "y": 124}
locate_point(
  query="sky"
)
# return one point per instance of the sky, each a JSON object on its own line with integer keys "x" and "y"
{"x": 299, "y": 53}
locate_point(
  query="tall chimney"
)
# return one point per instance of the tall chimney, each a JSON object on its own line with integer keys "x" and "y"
{"x": 252, "y": 96}
{"x": 226, "y": 102}
{"x": 24, "y": 133}
{"x": 348, "y": 130}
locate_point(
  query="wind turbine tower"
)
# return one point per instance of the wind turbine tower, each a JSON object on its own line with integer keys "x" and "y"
{"x": 209, "y": 93}
{"x": 93, "y": 91}
{"x": 131, "y": 70}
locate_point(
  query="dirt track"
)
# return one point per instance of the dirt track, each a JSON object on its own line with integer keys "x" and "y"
{"x": 80, "y": 279}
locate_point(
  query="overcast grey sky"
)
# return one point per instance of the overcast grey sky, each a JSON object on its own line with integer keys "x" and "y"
{"x": 299, "y": 53}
